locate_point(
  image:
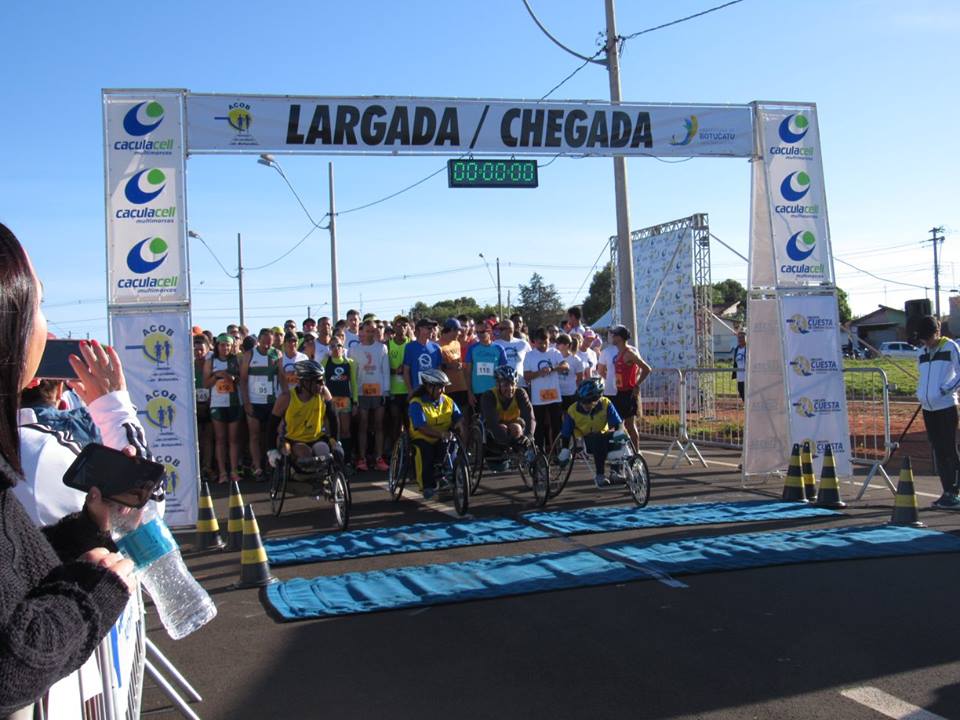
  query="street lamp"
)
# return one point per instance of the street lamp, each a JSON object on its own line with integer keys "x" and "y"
{"x": 269, "y": 161}
{"x": 238, "y": 276}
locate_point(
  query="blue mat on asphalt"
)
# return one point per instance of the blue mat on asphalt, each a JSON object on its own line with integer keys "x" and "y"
{"x": 787, "y": 547}
{"x": 628, "y": 517}
{"x": 408, "y": 587}
{"x": 403, "y": 539}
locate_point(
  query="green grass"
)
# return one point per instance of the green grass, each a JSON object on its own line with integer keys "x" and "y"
{"x": 901, "y": 374}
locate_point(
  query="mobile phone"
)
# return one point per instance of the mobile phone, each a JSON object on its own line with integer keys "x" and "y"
{"x": 54, "y": 364}
{"x": 129, "y": 480}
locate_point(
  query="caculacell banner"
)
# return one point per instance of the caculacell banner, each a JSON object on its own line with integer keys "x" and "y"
{"x": 816, "y": 393}
{"x": 453, "y": 126}
{"x": 798, "y": 210}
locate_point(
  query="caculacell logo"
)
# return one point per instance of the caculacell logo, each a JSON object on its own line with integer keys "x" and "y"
{"x": 794, "y": 128}
{"x": 795, "y": 186}
{"x": 145, "y": 186}
{"x": 690, "y": 124}
{"x": 143, "y": 118}
{"x": 801, "y": 245}
{"x": 155, "y": 247}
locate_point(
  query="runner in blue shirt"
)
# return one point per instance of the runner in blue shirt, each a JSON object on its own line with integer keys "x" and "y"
{"x": 482, "y": 359}
{"x": 420, "y": 354}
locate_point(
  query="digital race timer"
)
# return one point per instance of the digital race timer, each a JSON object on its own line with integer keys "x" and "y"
{"x": 492, "y": 173}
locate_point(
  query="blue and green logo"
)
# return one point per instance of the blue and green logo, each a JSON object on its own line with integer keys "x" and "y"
{"x": 691, "y": 125}
{"x": 794, "y": 128}
{"x": 145, "y": 186}
{"x": 801, "y": 245}
{"x": 147, "y": 255}
{"x": 143, "y": 118}
{"x": 795, "y": 186}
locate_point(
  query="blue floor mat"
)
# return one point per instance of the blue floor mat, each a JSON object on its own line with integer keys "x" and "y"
{"x": 408, "y": 587}
{"x": 627, "y": 517}
{"x": 403, "y": 539}
{"x": 751, "y": 550}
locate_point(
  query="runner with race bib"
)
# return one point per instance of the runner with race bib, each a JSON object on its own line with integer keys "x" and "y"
{"x": 541, "y": 366}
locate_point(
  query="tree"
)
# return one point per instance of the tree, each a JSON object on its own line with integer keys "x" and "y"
{"x": 843, "y": 306}
{"x": 539, "y": 303}
{"x": 599, "y": 297}
{"x": 729, "y": 291}
{"x": 444, "y": 309}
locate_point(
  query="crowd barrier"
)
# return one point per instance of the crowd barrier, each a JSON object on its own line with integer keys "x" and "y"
{"x": 691, "y": 407}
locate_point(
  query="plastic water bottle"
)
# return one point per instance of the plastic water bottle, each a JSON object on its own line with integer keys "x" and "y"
{"x": 143, "y": 537}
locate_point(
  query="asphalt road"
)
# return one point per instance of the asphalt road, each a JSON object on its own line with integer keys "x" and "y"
{"x": 780, "y": 642}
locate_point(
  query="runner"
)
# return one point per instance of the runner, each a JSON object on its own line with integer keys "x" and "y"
{"x": 340, "y": 375}
{"x": 277, "y": 337}
{"x": 630, "y": 370}
{"x": 541, "y": 366}
{"x": 351, "y": 332}
{"x": 452, "y": 363}
{"x": 571, "y": 376}
{"x": 483, "y": 359}
{"x": 398, "y": 387}
{"x": 574, "y": 324}
{"x": 258, "y": 373}
{"x": 288, "y": 361}
{"x": 373, "y": 377}
{"x": 420, "y": 354}
{"x": 588, "y": 358}
{"x": 514, "y": 348}
{"x": 221, "y": 371}
{"x": 201, "y": 351}
{"x": 309, "y": 325}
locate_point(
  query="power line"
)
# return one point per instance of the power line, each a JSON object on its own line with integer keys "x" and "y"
{"x": 274, "y": 262}
{"x": 590, "y": 271}
{"x": 200, "y": 238}
{"x": 881, "y": 279}
{"x": 393, "y": 195}
{"x": 683, "y": 19}
{"x": 568, "y": 77}
{"x": 546, "y": 32}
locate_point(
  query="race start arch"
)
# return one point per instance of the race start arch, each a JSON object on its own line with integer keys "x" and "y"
{"x": 795, "y": 383}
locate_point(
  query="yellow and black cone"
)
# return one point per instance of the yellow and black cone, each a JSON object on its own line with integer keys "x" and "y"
{"x": 235, "y": 519}
{"x": 254, "y": 567}
{"x": 793, "y": 486}
{"x": 208, "y": 529}
{"x": 829, "y": 494}
{"x": 806, "y": 466}
{"x": 905, "y": 509}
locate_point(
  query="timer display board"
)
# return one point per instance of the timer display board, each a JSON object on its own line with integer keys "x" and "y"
{"x": 492, "y": 173}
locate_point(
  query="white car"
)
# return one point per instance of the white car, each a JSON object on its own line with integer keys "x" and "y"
{"x": 897, "y": 349}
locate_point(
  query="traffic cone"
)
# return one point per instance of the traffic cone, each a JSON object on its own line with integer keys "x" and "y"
{"x": 829, "y": 493}
{"x": 254, "y": 567}
{"x": 208, "y": 529}
{"x": 809, "y": 479}
{"x": 905, "y": 510}
{"x": 235, "y": 518}
{"x": 793, "y": 486}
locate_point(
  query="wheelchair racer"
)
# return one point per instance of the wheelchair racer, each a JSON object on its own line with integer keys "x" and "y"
{"x": 309, "y": 416}
{"x": 593, "y": 418}
{"x": 432, "y": 415}
{"x": 507, "y": 411}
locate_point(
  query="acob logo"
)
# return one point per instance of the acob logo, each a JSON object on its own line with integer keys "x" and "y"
{"x": 161, "y": 409}
{"x": 157, "y": 344}
{"x": 155, "y": 247}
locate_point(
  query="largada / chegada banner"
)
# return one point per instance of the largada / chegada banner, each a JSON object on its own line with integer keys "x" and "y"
{"x": 453, "y": 126}
{"x": 816, "y": 394}
{"x": 148, "y": 292}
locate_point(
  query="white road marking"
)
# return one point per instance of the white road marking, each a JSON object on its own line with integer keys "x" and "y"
{"x": 417, "y": 497}
{"x": 888, "y": 705}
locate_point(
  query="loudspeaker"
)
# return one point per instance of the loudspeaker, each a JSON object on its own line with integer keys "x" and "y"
{"x": 915, "y": 309}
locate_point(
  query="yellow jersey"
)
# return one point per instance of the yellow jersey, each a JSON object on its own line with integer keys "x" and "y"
{"x": 595, "y": 422}
{"x": 439, "y": 416}
{"x": 304, "y": 420}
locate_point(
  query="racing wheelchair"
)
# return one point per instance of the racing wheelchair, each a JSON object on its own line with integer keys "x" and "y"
{"x": 486, "y": 456}
{"x": 451, "y": 469}
{"x": 624, "y": 464}
{"x": 317, "y": 476}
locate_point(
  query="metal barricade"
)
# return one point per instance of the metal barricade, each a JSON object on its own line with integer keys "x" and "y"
{"x": 661, "y": 408}
{"x": 868, "y": 413}
{"x": 714, "y": 412}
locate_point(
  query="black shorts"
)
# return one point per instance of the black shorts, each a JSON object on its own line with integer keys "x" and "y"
{"x": 626, "y": 403}
{"x": 261, "y": 411}
{"x": 398, "y": 403}
{"x": 461, "y": 398}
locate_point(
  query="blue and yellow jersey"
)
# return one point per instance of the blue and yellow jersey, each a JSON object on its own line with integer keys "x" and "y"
{"x": 601, "y": 419}
{"x": 439, "y": 415}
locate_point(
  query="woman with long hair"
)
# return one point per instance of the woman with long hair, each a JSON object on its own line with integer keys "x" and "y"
{"x": 61, "y": 589}
{"x": 221, "y": 373}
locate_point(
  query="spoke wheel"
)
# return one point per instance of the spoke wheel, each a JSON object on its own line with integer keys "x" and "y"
{"x": 524, "y": 471}
{"x": 540, "y": 477}
{"x": 278, "y": 486}
{"x": 461, "y": 484}
{"x": 397, "y": 474}
{"x": 637, "y": 479}
{"x": 475, "y": 454}
{"x": 559, "y": 474}
{"x": 341, "y": 499}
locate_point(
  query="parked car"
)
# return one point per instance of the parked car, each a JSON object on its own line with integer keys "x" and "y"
{"x": 897, "y": 349}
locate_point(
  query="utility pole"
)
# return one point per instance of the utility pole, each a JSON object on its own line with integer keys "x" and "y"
{"x": 308, "y": 311}
{"x": 240, "y": 274}
{"x": 937, "y": 233}
{"x": 335, "y": 291}
{"x": 624, "y": 248}
{"x": 499, "y": 303}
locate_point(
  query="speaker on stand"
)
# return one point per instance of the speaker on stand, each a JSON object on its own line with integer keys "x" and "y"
{"x": 915, "y": 309}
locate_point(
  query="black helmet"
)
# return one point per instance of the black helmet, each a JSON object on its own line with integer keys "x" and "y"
{"x": 432, "y": 376}
{"x": 308, "y": 369}
{"x": 506, "y": 373}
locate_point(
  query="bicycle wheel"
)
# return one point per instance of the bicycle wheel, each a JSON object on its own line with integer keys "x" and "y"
{"x": 475, "y": 453}
{"x": 461, "y": 484}
{"x": 524, "y": 471}
{"x": 540, "y": 479}
{"x": 558, "y": 474}
{"x": 397, "y": 474}
{"x": 278, "y": 486}
{"x": 636, "y": 476}
{"x": 341, "y": 498}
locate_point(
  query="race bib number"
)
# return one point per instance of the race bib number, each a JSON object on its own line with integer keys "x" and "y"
{"x": 485, "y": 369}
{"x": 203, "y": 395}
{"x": 224, "y": 387}
{"x": 549, "y": 395}
{"x": 342, "y": 404}
{"x": 370, "y": 389}
{"x": 262, "y": 387}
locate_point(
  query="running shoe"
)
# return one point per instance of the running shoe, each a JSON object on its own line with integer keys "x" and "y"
{"x": 381, "y": 465}
{"x": 948, "y": 502}
{"x": 361, "y": 465}
{"x": 429, "y": 493}
{"x": 600, "y": 481}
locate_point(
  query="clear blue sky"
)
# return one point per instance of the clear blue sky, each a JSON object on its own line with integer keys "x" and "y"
{"x": 882, "y": 73}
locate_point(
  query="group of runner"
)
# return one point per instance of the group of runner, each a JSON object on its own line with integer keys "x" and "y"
{"x": 370, "y": 371}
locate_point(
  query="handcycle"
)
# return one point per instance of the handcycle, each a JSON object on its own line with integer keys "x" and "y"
{"x": 624, "y": 465}
{"x": 451, "y": 469}
{"x": 317, "y": 476}
{"x": 486, "y": 456}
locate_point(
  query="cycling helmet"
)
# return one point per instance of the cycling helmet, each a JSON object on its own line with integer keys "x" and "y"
{"x": 308, "y": 369}
{"x": 590, "y": 389}
{"x": 506, "y": 373}
{"x": 432, "y": 376}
